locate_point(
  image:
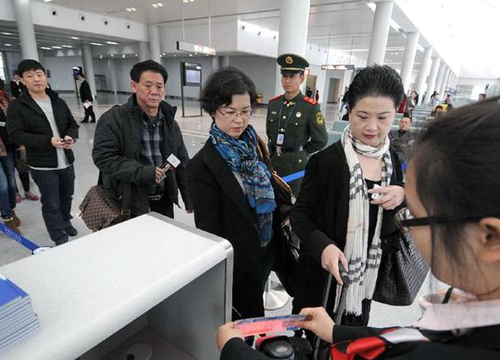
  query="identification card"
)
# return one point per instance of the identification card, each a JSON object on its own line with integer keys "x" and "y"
{"x": 173, "y": 160}
{"x": 280, "y": 140}
{"x": 265, "y": 325}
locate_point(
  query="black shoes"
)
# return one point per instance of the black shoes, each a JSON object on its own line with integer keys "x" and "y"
{"x": 71, "y": 231}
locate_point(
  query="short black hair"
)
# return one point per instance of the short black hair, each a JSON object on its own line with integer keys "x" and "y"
{"x": 439, "y": 106}
{"x": 29, "y": 65}
{"x": 376, "y": 81}
{"x": 222, "y": 85}
{"x": 148, "y": 65}
{"x": 82, "y": 75}
{"x": 407, "y": 115}
{"x": 456, "y": 167}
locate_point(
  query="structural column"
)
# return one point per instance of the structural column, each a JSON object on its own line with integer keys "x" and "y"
{"x": 443, "y": 83}
{"x": 439, "y": 79}
{"x": 41, "y": 57}
{"x": 225, "y": 60}
{"x": 154, "y": 43}
{"x": 432, "y": 80}
{"x": 88, "y": 68}
{"x": 380, "y": 32}
{"x": 409, "y": 59}
{"x": 294, "y": 20}
{"x": 112, "y": 73}
{"x": 26, "y": 29}
{"x": 143, "y": 51}
{"x": 425, "y": 66}
{"x": 215, "y": 63}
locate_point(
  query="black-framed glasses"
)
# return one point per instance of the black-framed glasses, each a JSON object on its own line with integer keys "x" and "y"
{"x": 232, "y": 114}
{"x": 405, "y": 220}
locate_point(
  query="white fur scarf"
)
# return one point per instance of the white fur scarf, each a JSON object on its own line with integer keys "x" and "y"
{"x": 363, "y": 262}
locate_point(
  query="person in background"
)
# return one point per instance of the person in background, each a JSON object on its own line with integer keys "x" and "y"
{"x": 481, "y": 97}
{"x": 412, "y": 102}
{"x": 16, "y": 85}
{"x": 402, "y": 107}
{"x": 7, "y": 178}
{"x": 438, "y": 110}
{"x": 403, "y": 139}
{"x": 87, "y": 99}
{"x": 336, "y": 215}
{"x": 43, "y": 123}
{"x": 447, "y": 100}
{"x": 316, "y": 96}
{"x": 233, "y": 190}
{"x": 156, "y": 138}
{"x": 454, "y": 219}
{"x": 434, "y": 100}
{"x": 295, "y": 126}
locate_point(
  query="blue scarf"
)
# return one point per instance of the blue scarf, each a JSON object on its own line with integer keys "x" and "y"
{"x": 241, "y": 156}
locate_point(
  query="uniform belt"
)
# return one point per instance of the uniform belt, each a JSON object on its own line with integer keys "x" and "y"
{"x": 155, "y": 197}
{"x": 292, "y": 149}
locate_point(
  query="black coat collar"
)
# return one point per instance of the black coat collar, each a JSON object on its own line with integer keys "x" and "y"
{"x": 26, "y": 98}
{"x": 227, "y": 180}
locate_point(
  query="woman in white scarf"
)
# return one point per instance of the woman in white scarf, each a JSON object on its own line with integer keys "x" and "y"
{"x": 366, "y": 145}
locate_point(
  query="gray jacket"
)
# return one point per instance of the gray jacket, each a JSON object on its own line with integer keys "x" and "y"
{"x": 116, "y": 169}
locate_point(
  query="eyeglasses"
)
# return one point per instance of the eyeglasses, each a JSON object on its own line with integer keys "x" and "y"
{"x": 231, "y": 114}
{"x": 404, "y": 220}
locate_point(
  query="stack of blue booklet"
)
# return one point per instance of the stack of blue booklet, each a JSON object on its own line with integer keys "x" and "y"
{"x": 18, "y": 321}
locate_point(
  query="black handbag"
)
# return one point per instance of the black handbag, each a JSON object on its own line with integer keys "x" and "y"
{"x": 402, "y": 271}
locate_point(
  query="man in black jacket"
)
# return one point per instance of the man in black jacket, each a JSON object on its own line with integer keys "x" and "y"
{"x": 43, "y": 123}
{"x": 155, "y": 140}
{"x": 87, "y": 99}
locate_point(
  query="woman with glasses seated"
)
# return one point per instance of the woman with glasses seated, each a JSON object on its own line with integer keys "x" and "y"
{"x": 454, "y": 218}
{"x": 348, "y": 199}
{"x": 232, "y": 188}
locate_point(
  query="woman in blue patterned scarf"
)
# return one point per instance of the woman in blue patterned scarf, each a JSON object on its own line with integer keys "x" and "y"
{"x": 232, "y": 188}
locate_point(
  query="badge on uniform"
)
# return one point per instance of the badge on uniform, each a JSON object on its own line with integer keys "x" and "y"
{"x": 299, "y": 114}
{"x": 280, "y": 140}
{"x": 319, "y": 119}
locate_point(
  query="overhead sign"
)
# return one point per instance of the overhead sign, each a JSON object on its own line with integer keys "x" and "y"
{"x": 337, "y": 67}
{"x": 194, "y": 48}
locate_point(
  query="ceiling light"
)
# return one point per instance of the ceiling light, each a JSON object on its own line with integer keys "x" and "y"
{"x": 112, "y": 55}
{"x": 130, "y": 9}
{"x": 96, "y": 44}
{"x": 45, "y": 48}
{"x": 111, "y": 43}
{"x": 74, "y": 38}
{"x": 67, "y": 46}
{"x": 187, "y": 1}
{"x": 56, "y": 47}
{"x": 123, "y": 56}
{"x": 47, "y": 0}
{"x": 136, "y": 55}
{"x": 6, "y": 33}
{"x": 157, "y": 5}
{"x": 8, "y": 44}
{"x": 100, "y": 56}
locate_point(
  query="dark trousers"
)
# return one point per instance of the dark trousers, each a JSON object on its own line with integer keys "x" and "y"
{"x": 7, "y": 185}
{"x": 56, "y": 190}
{"x": 163, "y": 206}
{"x": 89, "y": 112}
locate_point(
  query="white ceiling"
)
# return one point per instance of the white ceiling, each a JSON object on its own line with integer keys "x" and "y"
{"x": 343, "y": 24}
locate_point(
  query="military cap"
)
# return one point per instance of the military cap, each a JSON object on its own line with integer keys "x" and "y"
{"x": 292, "y": 63}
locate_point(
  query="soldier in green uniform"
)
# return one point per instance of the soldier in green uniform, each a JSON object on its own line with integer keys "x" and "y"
{"x": 295, "y": 125}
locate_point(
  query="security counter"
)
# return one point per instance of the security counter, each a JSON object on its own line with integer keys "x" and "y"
{"x": 148, "y": 280}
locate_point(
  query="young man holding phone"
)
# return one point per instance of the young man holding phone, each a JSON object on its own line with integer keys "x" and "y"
{"x": 43, "y": 123}
{"x": 158, "y": 170}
